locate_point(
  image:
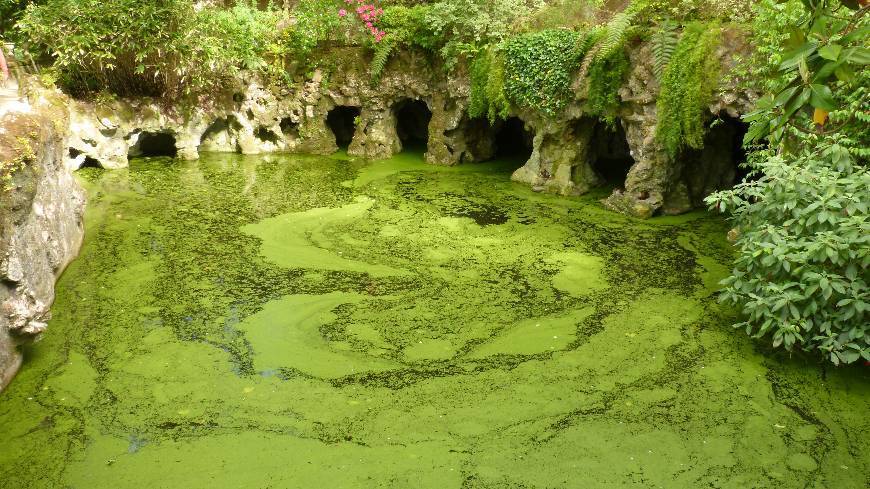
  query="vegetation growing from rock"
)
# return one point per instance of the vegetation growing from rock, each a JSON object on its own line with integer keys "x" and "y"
{"x": 538, "y": 69}
{"x": 687, "y": 88}
{"x": 487, "y": 97}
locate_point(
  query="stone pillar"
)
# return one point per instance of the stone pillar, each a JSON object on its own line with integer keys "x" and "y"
{"x": 650, "y": 183}
{"x": 561, "y": 158}
{"x": 375, "y": 136}
{"x": 449, "y": 134}
{"x": 315, "y": 135}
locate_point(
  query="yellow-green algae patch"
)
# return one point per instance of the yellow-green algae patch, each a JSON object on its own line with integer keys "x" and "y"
{"x": 537, "y": 335}
{"x": 580, "y": 273}
{"x": 286, "y": 334}
{"x": 304, "y": 322}
{"x": 295, "y": 240}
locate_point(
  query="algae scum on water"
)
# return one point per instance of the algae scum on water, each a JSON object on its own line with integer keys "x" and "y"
{"x": 320, "y": 322}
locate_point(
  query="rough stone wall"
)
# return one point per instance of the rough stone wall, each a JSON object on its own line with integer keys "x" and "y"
{"x": 251, "y": 119}
{"x": 40, "y": 226}
{"x": 656, "y": 182}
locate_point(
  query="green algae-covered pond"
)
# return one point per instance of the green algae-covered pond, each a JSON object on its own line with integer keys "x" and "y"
{"x": 270, "y": 322}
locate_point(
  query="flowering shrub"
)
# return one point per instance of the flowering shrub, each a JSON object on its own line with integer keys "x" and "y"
{"x": 368, "y": 14}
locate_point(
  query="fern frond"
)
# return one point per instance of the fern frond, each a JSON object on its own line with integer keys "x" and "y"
{"x": 589, "y": 47}
{"x": 382, "y": 54}
{"x": 664, "y": 43}
{"x": 617, "y": 29}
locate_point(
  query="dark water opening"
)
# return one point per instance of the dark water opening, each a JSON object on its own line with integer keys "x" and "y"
{"x": 412, "y": 123}
{"x": 609, "y": 152}
{"x": 512, "y": 140}
{"x": 342, "y": 121}
{"x": 155, "y": 144}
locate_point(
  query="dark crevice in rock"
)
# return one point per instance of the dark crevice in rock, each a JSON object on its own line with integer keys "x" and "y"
{"x": 214, "y": 129}
{"x": 154, "y": 144}
{"x": 412, "y": 122}
{"x": 342, "y": 121}
{"x": 289, "y": 128}
{"x": 610, "y": 154}
{"x": 267, "y": 135}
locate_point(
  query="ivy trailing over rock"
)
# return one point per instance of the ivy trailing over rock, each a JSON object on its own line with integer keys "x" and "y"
{"x": 539, "y": 69}
{"x": 687, "y": 87}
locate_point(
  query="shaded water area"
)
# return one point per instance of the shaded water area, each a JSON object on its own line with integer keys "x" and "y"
{"x": 284, "y": 321}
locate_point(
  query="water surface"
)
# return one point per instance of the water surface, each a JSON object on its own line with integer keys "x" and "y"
{"x": 289, "y": 321}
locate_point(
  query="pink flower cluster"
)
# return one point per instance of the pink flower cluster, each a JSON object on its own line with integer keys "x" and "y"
{"x": 368, "y": 14}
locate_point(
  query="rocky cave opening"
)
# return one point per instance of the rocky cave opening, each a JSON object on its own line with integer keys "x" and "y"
{"x": 513, "y": 141}
{"x": 610, "y": 153}
{"x": 718, "y": 165}
{"x": 342, "y": 121}
{"x": 289, "y": 128}
{"x": 87, "y": 162}
{"x": 154, "y": 144}
{"x": 90, "y": 163}
{"x": 412, "y": 123}
{"x": 217, "y": 136}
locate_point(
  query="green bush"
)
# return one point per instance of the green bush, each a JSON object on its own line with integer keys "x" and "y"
{"x": 408, "y": 25}
{"x": 539, "y": 69}
{"x": 10, "y": 12}
{"x": 687, "y": 88}
{"x": 804, "y": 250}
{"x": 462, "y": 26}
{"x": 130, "y": 47}
{"x": 315, "y": 21}
{"x": 803, "y": 229}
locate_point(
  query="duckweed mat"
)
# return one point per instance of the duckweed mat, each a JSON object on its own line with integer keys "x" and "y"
{"x": 285, "y": 321}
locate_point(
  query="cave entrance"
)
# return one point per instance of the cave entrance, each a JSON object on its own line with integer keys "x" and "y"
{"x": 90, "y": 163}
{"x": 609, "y": 152}
{"x": 412, "y": 123}
{"x": 219, "y": 136}
{"x": 733, "y": 130}
{"x": 342, "y": 121}
{"x": 719, "y": 164}
{"x": 154, "y": 144}
{"x": 513, "y": 142}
